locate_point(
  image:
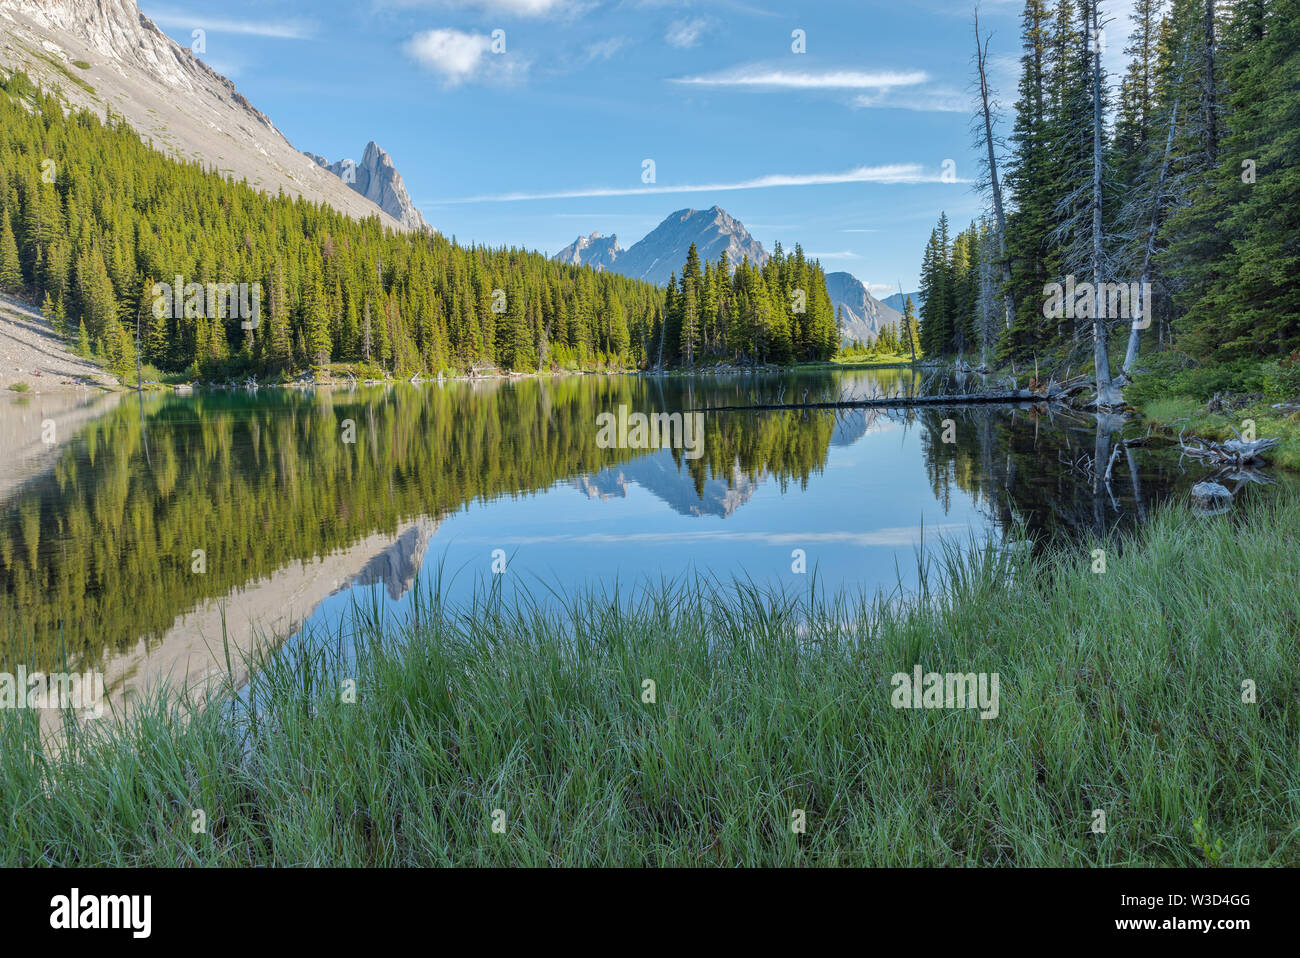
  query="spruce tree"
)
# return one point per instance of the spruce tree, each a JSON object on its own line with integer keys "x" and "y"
{"x": 11, "y": 273}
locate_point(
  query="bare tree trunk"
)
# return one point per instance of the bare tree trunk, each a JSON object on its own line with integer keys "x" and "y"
{"x": 981, "y": 56}
{"x": 1130, "y": 356}
{"x": 1100, "y": 356}
{"x": 1211, "y": 107}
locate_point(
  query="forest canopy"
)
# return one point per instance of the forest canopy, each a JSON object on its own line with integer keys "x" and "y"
{"x": 92, "y": 220}
{"x": 1190, "y": 165}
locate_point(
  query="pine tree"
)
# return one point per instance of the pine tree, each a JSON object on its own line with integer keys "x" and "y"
{"x": 689, "y": 309}
{"x": 315, "y": 318}
{"x": 1250, "y": 305}
{"x": 11, "y": 273}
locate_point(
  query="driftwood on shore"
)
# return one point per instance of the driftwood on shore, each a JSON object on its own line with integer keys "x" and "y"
{"x": 1233, "y": 452}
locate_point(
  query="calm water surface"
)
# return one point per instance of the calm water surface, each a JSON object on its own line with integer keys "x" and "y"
{"x": 99, "y": 547}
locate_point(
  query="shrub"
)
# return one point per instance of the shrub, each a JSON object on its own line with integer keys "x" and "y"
{"x": 1282, "y": 378}
{"x": 1174, "y": 373}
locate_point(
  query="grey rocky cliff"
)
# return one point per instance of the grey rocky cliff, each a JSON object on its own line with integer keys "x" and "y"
{"x": 661, "y": 253}
{"x": 861, "y": 315}
{"x": 376, "y": 178}
{"x": 174, "y": 100}
{"x": 596, "y": 251}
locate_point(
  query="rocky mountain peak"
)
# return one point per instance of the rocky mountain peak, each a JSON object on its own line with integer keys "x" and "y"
{"x": 596, "y": 251}
{"x": 861, "y": 316}
{"x": 376, "y": 178}
{"x": 662, "y": 252}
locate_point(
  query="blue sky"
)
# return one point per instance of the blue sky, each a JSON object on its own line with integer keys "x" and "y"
{"x": 542, "y": 134}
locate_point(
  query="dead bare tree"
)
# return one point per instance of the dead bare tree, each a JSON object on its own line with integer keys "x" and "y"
{"x": 981, "y": 59}
{"x": 1107, "y": 395}
{"x": 1144, "y": 317}
{"x": 1159, "y": 193}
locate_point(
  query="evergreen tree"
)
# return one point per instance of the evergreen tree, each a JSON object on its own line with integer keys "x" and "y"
{"x": 11, "y": 273}
{"x": 1250, "y": 302}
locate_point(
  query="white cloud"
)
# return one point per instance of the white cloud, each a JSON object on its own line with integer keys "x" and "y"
{"x": 924, "y": 101}
{"x": 806, "y": 80}
{"x": 460, "y": 57}
{"x": 686, "y": 33}
{"x": 891, "y": 173}
{"x": 282, "y": 30}
{"x": 604, "y": 49}
{"x": 230, "y": 69}
{"x": 843, "y": 254}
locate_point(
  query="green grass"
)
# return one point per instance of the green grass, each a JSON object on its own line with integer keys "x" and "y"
{"x": 866, "y": 358}
{"x": 18, "y": 387}
{"x": 1119, "y": 691}
{"x": 1183, "y": 413}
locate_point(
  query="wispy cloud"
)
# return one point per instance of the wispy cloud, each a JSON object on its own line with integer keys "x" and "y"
{"x": 923, "y": 101}
{"x": 777, "y": 78}
{"x": 686, "y": 32}
{"x": 604, "y": 49}
{"x": 230, "y": 69}
{"x": 463, "y": 57}
{"x": 890, "y": 173}
{"x": 519, "y": 8}
{"x": 843, "y": 254}
{"x": 279, "y": 29}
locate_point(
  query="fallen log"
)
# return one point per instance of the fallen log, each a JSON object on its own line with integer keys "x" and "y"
{"x": 891, "y": 402}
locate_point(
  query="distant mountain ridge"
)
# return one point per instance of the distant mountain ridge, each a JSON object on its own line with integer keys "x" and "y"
{"x": 596, "y": 251}
{"x": 662, "y": 252}
{"x": 376, "y": 178}
{"x": 861, "y": 316}
{"x": 895, "y": 302}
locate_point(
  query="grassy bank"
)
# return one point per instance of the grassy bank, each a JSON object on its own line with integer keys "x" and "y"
{"x": 1119, "y": 692}
{"x": 868, "y": 358}
{"x": 1178, "y": 413}
{"x": 1176, "y": 393}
